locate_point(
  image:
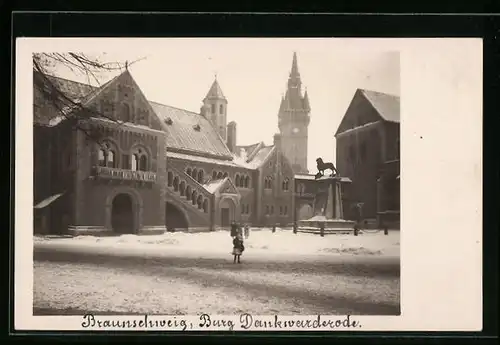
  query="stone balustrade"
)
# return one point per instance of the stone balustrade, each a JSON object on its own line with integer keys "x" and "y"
{"x": 123, "y": 174}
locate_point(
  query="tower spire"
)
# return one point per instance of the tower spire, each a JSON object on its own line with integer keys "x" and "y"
{"x": 295, "y": 68}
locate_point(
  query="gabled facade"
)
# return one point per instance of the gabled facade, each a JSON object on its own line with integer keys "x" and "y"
{"x": 154, "y": 167}
{"x": 367, "y": 151}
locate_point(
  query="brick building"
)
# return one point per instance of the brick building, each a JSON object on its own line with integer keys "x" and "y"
{"x": 157, "y": 168}
{"x": 367, "y": 152}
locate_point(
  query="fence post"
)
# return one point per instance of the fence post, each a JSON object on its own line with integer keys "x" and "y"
{"x": 386, "y": 231}
{"x": 274, "y": 228}
{"x": 294, "y": 227}
{"x": 322, "y": 229}
{"x": 356, "y": 229}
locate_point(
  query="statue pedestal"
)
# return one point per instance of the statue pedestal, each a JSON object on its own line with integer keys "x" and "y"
{"x": 328, "y": 208}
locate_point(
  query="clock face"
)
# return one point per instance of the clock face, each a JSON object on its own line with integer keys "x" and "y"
{"x": 295, "y": 130}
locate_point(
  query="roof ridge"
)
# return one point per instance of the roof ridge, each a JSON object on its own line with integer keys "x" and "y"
{"x": 171, "y": 106}
{"x": 380, "y": 92}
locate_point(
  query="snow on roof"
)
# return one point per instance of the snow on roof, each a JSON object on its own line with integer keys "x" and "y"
{"x": 304, "y": 177}
{"x": 171, "y": 154}
{"x": 388, "y": 106}
{"x": 212, "y": 185}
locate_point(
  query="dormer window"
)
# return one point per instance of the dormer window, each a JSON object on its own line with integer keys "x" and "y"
{"x": 221, "y": 109}
{"x": 197, "y": 127}
{"x": 168, "y": 121}
{"x": 213, "y": 108}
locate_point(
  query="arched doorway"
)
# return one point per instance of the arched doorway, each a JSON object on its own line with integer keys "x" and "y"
{"x": 174, "y": 218}
{"x": 122, "y": 215}
{"x": 305, "y": 212}
{"x": 227, "y": 212}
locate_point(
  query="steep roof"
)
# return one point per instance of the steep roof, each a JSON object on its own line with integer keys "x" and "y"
{"x": 183, "y": 134}
{"x": 386, "y": 108}
{"x": 190, "y": 131}
{"x": 215, "y": 91}
{"x": 385, "y": 104}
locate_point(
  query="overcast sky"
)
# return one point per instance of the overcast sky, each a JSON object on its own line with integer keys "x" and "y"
{"x": 253, "y": 74}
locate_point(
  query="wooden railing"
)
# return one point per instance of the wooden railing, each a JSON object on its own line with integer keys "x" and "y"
{"x": 123, "y": 174}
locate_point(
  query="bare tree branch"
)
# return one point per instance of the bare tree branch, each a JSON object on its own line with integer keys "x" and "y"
{"x": 66, "y": 107}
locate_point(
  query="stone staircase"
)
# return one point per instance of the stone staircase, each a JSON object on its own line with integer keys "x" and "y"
{"x": 188, "y": 194}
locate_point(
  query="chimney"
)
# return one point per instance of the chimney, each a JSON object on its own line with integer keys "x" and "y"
{"x": 231, "y": 136}
{"x": 277, "y": 140}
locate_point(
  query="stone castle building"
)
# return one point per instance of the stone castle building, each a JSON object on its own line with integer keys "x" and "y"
{"x": 156, "y": 167}
{"x": 368, "y": 153}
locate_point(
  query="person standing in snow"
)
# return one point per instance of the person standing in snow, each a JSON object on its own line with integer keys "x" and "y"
{"x": 238, "y": 248}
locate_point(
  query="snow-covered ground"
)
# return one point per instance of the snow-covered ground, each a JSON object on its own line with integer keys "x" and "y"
{"x": 282, "y": 241}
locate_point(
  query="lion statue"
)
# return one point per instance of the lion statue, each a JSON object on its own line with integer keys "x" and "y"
{"x": 322, "y": 166}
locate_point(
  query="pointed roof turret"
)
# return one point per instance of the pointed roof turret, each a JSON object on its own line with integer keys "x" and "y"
{"x": 305, "y": 101}
{"x": 215, "y": 91}
{"x": 295, "y": 68}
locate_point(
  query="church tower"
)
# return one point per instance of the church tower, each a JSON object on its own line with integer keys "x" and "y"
{"x": 215, "y": 109}
{"x": 293, "y": 121}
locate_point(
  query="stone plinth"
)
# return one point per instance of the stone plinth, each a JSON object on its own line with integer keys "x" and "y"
{"x": 328, "y": 211}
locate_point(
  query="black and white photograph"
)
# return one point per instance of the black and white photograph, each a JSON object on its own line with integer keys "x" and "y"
{"x": 268, "y": 184}
{"x": 218, "y": 176}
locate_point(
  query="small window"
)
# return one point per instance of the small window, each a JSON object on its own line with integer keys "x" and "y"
{"x": 111, "y": 159}
{"x": 182, "y": 188}
{"x": 194, "y": 173}
{"x": 188, "y": 171}
{"x": 135, "y": 162}
{"x": 281, "y": 210}
{"x": 221, "y": 109}
{"x": 188, "y": 192}
{"x": 176, "y": 184}
{"x": 237, "y": 180}
{"x": 200, "y": 176}
{"x": 194, "y": 195}
{"x": 272, "y": 210}
{"x": 214, "y": 175}
{"x": 225, "y": 175}
{"x": 248, "y": 209}
{"x": 285, "y": 211}
{"x": 205, "y": 206}
{"x": 170, "y": 178}
{"x": 125, "y": 112}
{"x": 247, "y": 182}
{"x": 213, "y": 108}
{"x": 143, "y": 163}
{"x": 285, "y": 184}
{"x": 267, "y": 210}
{"x": 242, "y": 208}
{"x": 102, "y": 158}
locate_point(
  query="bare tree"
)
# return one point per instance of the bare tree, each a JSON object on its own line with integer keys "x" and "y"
{"x": 67, "y": 108}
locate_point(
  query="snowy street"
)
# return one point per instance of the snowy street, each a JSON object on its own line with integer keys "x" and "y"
{"x": 193, "y": 273}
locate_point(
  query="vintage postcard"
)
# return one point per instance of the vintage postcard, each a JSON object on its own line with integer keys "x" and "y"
{"x": 248, "y": 184}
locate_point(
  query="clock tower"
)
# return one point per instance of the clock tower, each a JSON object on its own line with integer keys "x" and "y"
{"x": 293, "y": 121}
